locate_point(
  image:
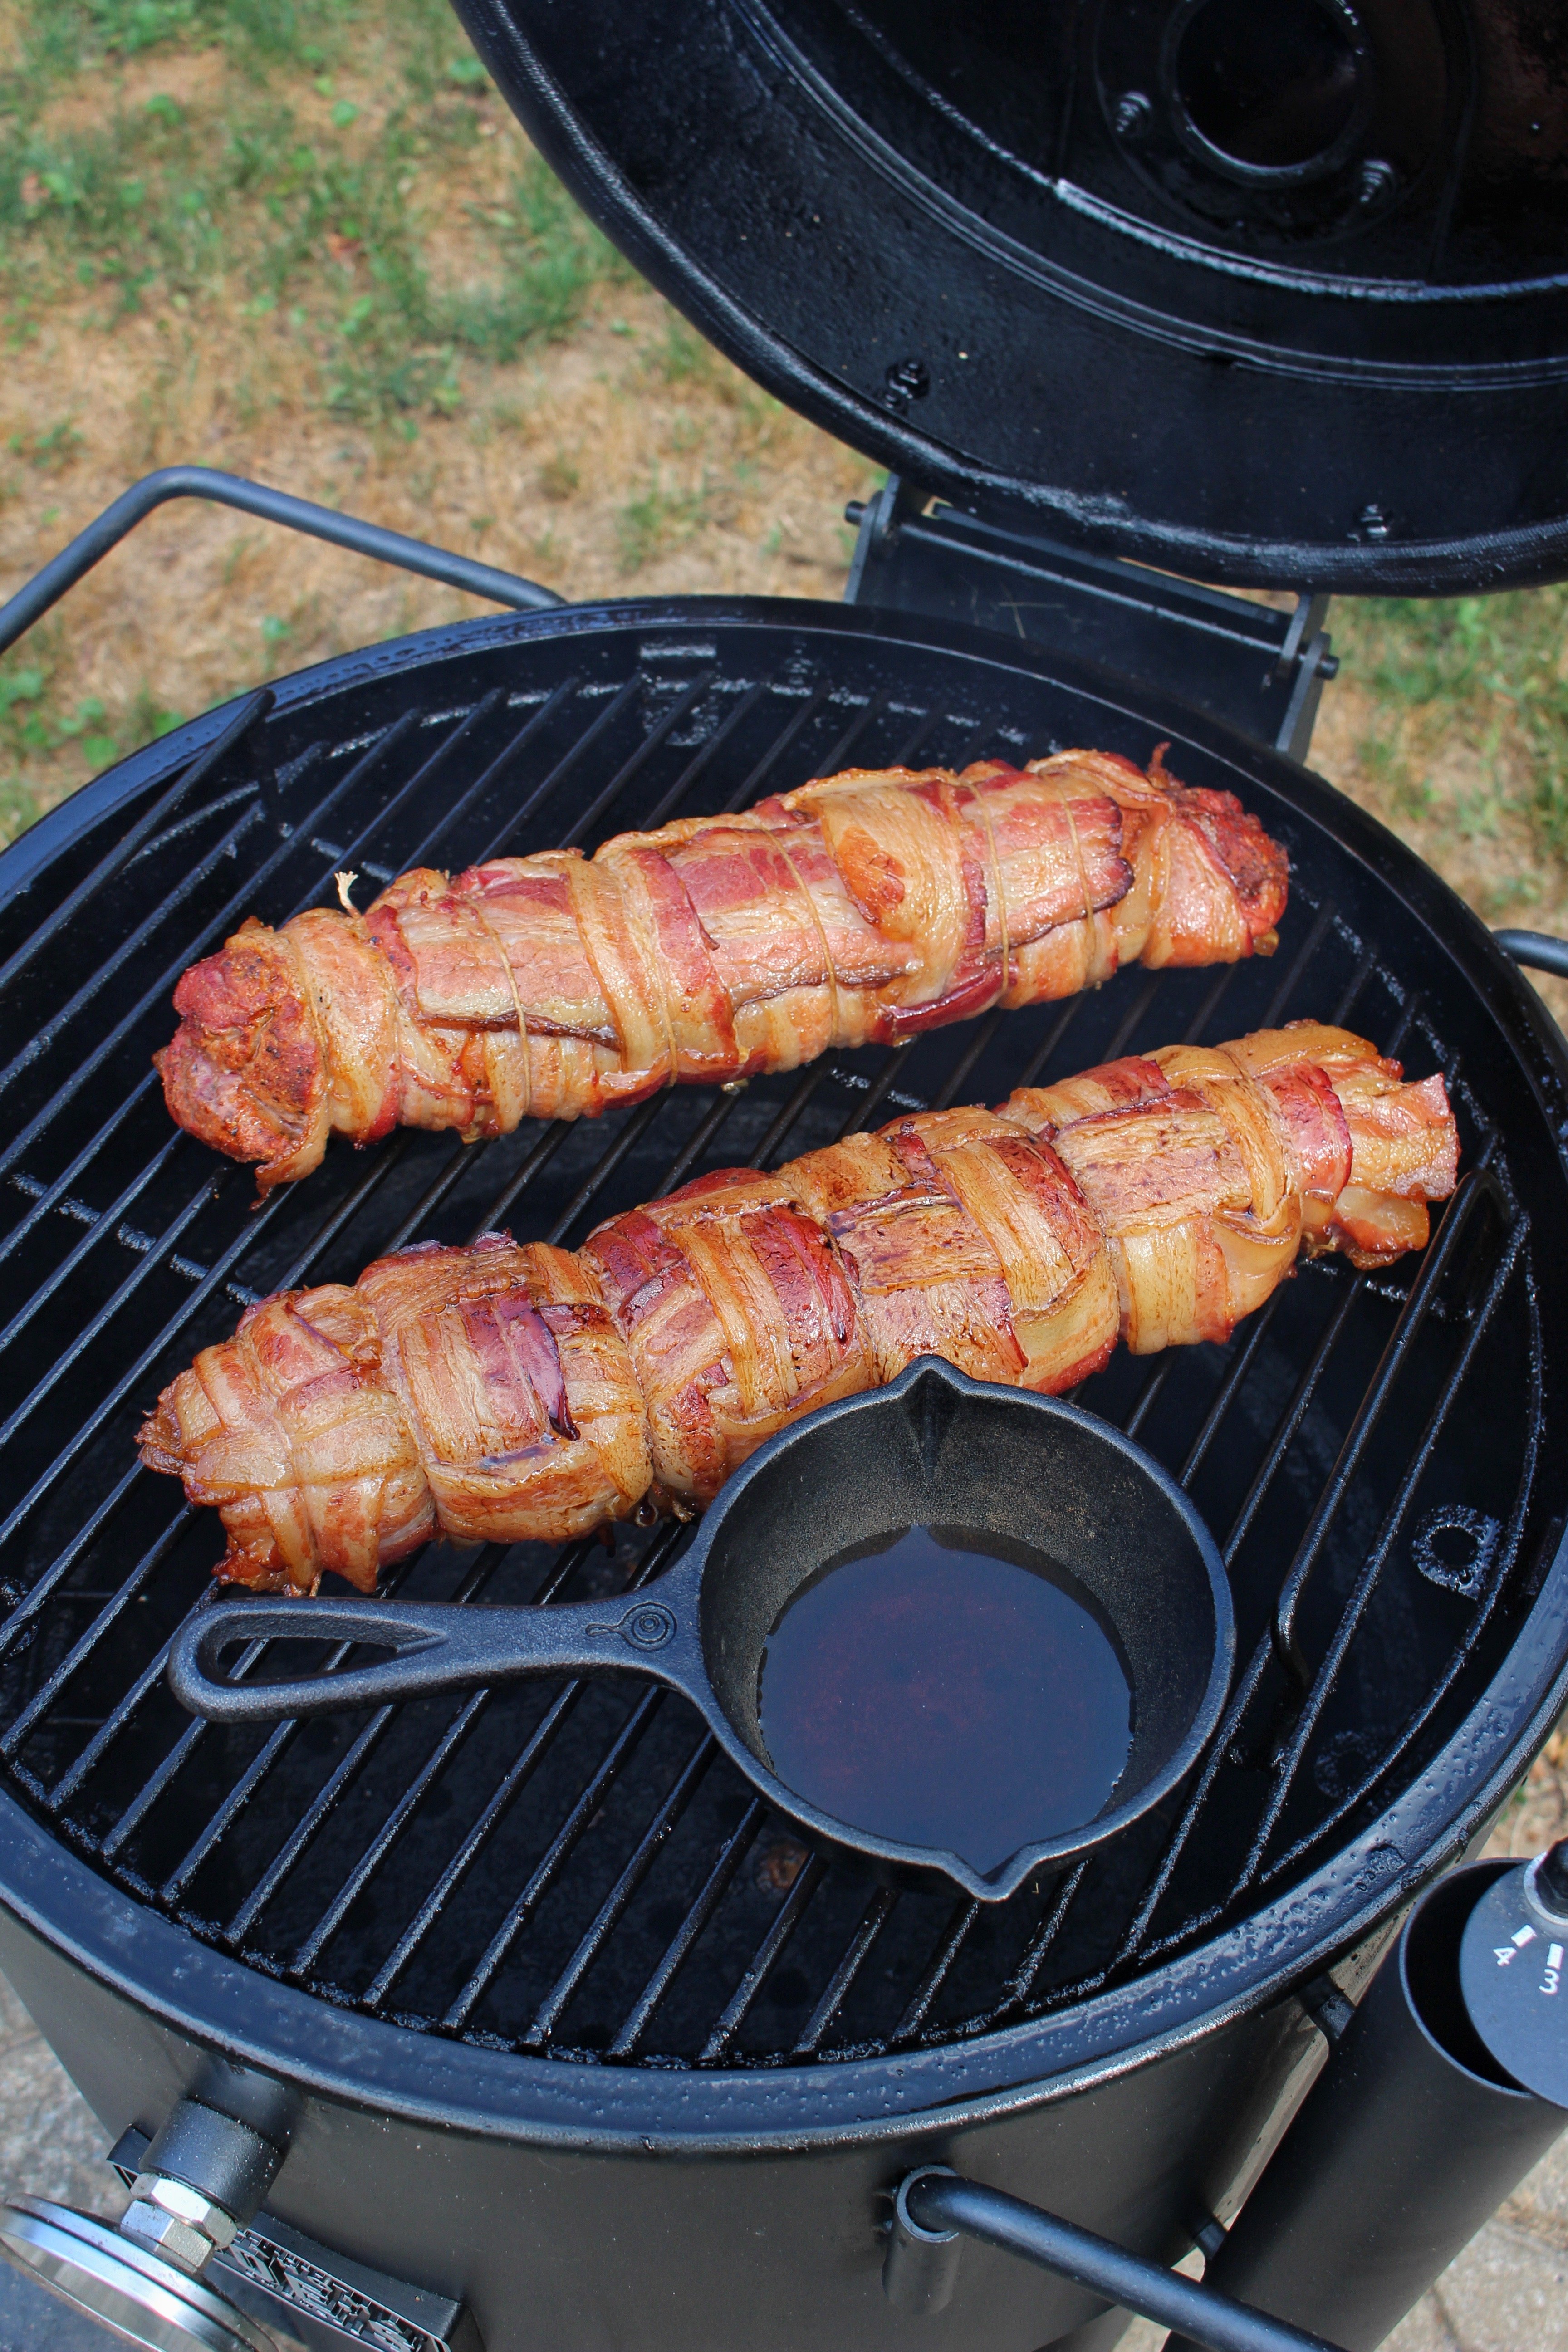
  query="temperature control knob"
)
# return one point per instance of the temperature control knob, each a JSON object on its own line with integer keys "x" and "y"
{"x": 1513, "y": 1972}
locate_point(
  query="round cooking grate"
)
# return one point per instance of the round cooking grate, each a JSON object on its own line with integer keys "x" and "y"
{"x": 569, "y": 1868}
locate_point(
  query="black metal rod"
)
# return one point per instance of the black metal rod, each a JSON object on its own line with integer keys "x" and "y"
{"x": 1537, "y": 949}
{"x": 940, "y": 2202}
{"x": 133, "y": 506}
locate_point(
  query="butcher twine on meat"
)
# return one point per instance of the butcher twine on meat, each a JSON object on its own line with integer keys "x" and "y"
{"x": 862, "y": 908}
{"x": 512, "y": 1391}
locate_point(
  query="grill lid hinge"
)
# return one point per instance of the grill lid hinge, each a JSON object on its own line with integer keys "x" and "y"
{"x": 1259, "y": 666}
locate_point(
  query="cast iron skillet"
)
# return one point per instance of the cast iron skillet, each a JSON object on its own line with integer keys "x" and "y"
{"x": 933, "y": 1448}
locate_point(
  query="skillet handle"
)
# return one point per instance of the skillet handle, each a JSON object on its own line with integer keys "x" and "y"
{"x": 437, "y": 1646}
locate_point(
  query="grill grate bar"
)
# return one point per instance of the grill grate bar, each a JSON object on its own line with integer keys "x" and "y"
{"x": 104, "y": 1733}
{"x": 881, "y": 1086}
{"x": 82, "y": 1648}
{"x": 679, "y": 709}
{"x": 878, "y": 1910}
{"x": 337, "y": 1784}
{"x": 255, "y": 706}
{"x": 541, "y": 2025}
{"x": 746, "y": 791}
{"x": 101, "y": 1224}
{"x": 1357, "y": 982}
{"x": 544, "y": 1150}
{"x": 984, "y": 1032}
{"x": 1505, "y": 1552}
{"x": 27, "y": 1608}
{"x": 93, "y": 1331}
{"x": 548, "y": 1869}
{"x": 954, "y": 1936}
{"x": 44, "y": 1037}
{"x": 540, "y": 1741}
{"x": 707, "y": 1129}
{"x": 1039, "y": 1059}
{"x": 908, "y": 751}
{"x": 1149, "y": 1396}
{"x": 556, "y": 776}
{"x": 681, "y": 1945}
{"x": 1290, "y": 1421}
{"x": 534, "y": 724}
{"x": 869, "y": 711}
{"x": 1266, "y": 1652}
{"x": 1219, "y": 988}
{"x": 1230, "y": 1388}
{"x": 1133, "y": 1018}
{"x": 48, "y": 1198}
{"x": 1411, "y": 1315}
{"x": 787, "y": 1919}
{"x": 704, "y": 756}
{"x": 792, "y": 1113}
{"x": 1045, "y": 1936}
{"x": 450, "y": 743}
{"x": 452, "y": 1739}
{"x": 280, "y": 1738}
{"x": 636, "y": 1127}
{"x": 1308, "y": 948}
{"x": 1294, "y": 1747}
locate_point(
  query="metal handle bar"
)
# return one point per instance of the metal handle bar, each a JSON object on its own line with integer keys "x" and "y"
{"x": 90, "y": 546}
{"x": 1539, "y": 948}
{"x": 934, "y": 2207}
{"x": 436, "y": 1647}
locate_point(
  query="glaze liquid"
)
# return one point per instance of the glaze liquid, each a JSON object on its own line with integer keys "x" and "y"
{"x": 947, "y": 1689}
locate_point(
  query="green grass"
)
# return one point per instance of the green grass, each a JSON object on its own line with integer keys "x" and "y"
{"x": 1492, "y": 670}
{"x": 657, "y": 515}
{"x": 324, "y": 226}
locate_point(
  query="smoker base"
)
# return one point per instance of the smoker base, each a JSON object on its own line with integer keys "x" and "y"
{"x": 742, "y": 2252}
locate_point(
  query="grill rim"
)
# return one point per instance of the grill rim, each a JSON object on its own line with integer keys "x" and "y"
{"x": 63, "y": 1899}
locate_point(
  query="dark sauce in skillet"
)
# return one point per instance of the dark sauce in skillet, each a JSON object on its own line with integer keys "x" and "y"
{"x": 950, "y": 1689}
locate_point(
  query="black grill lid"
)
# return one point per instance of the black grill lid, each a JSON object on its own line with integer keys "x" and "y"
{"x": 1259, "y": 295}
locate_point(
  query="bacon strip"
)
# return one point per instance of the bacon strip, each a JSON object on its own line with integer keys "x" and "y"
{"x": 514, "y": 1391}
{"x": 870, "y": 906}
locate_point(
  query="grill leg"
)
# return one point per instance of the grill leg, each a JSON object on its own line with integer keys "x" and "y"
{"x": 1411, "y": 2138}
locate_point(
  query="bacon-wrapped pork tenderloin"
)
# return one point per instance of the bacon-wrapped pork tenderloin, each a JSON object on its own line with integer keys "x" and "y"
{"x": 864, "y": 907}
{"x": 513, "y": 1391}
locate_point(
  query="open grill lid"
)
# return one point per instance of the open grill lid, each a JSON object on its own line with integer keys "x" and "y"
{"x": 1257, "y": 295}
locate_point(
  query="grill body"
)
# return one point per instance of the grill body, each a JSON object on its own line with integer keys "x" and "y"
{"x": 580, "y": 2037}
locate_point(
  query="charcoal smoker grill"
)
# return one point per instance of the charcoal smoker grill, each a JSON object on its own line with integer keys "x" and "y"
{"x": 538, "y": 2031}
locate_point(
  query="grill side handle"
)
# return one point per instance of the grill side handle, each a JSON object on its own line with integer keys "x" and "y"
{"x": 1540, "y": 950}
{"x": 435, "y": 1646}
{"x": 934, "y": 2208}
{"x": 133, "y": 506}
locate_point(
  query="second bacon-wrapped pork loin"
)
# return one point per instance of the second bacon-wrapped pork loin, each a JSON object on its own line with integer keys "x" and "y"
{"x": 861, "y": 908}
{"x": 513, "y": 1391}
